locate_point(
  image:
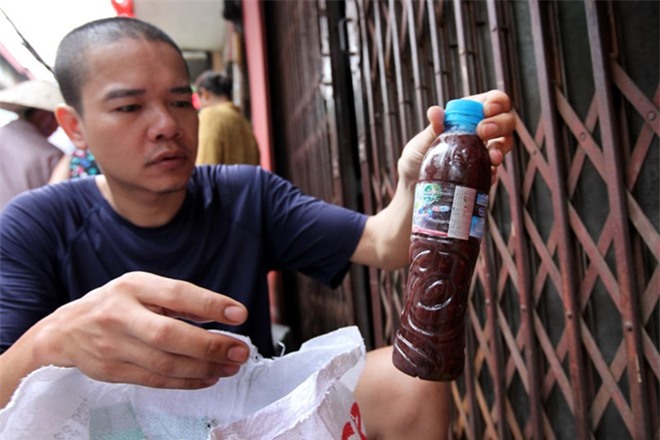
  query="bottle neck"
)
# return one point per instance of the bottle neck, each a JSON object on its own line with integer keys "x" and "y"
{"x": 460, "y": 127}
{"x": 463, "y": 115}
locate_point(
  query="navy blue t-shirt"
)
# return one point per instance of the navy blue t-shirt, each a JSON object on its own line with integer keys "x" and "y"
{"x": 237, "y": 223}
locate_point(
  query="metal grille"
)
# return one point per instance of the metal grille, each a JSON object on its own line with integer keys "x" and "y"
{"x": 564, "y": 311}
{"x": 307, "y": 146}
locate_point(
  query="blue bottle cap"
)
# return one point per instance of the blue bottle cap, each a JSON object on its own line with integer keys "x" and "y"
{"x": 463, "y": 112}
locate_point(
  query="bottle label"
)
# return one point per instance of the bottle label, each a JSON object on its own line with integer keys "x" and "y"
{"x": 448, "y": 210}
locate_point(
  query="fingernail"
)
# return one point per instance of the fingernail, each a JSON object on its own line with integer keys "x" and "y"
{"x": 235, "y": 313}
{"x": 238, "y": 353}
{"x": 230, "y": 370}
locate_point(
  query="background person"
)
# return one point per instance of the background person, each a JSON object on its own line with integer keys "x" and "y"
{"x": 27, "y": 158}
{"x": 79, "y": 163}
{"x": 95, "y": 272}
{"x": 225, "y": 135}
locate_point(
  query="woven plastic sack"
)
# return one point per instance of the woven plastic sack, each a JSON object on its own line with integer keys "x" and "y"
{"x": 307, "y": 394}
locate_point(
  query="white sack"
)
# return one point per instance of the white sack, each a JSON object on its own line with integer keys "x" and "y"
{"x": 307, "y": 394}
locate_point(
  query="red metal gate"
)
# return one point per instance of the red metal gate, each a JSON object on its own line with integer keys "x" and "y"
{"x": 564, "y": 311}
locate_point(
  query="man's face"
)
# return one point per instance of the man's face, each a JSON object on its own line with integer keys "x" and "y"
{"x": 138, "y": 119}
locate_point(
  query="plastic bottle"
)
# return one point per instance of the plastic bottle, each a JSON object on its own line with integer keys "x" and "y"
{"x": 449, "y": 217}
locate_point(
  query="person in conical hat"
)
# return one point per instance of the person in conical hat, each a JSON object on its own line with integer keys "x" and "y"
{"x": 32, "y": 93}
{"x": 27, "y": 158}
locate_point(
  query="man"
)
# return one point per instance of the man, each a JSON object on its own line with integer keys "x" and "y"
{"x": 225, "y": 136}
{"x": 27, "y": 157}
{"x": 95, "y": 271}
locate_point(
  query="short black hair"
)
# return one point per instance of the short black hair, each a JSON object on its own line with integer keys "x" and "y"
{"x": 70, "y": 61}
{"x": 214, "y": 82}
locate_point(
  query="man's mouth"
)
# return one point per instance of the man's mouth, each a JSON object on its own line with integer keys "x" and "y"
{"x": 169, "y": 158}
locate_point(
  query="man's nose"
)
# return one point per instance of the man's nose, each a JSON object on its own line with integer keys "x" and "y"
{"x": 165, "y": 125}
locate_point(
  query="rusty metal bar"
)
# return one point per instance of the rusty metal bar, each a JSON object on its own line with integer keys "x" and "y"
{"x": 393, "y": 148}
{"x": 371, "y": 112}
{"x": 497, "y": 363}
{"x": 498, "y": 49}
{"x": 462, "y": 49}
{"x": 435, "y": 47}
{"x": 362, "y": 92}
{"x": 512, "y": 163}
{"x": 398, "y": 69}
{"x": 382, "y": 71}
{"x": 371, "y": 183}
{"x": 629, "y": 296}
{"x": 475, "y": 68}
{"x": 470, "y": 378}
{"x": 567, "y": 263}
{"x": 414, "y": 56}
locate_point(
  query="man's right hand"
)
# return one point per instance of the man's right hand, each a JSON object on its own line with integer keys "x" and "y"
{"x": 126, "y": 331}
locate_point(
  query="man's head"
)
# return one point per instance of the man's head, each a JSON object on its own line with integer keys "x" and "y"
{"x": 213, "y": 87}
{"x": 129, "y": 100}
{"x": 71, "y": 70}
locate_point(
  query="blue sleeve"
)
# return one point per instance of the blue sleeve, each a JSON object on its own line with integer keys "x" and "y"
{"x": 28, "y": 284}
{"x": 310, "y": 235}
{"x": 299, "y": 232}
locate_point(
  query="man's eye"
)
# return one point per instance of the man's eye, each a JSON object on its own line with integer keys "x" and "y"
{"x": 182, "y": 104}
{"x": 127, "y": 108}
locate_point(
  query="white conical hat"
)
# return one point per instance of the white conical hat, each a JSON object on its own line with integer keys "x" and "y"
{"x": 33, "y": 93}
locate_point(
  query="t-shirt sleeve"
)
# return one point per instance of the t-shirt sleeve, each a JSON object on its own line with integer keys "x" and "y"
{"x": 27, "y": 266}
{"x": 308, "y": 234}
{"x": 296, "y": 231}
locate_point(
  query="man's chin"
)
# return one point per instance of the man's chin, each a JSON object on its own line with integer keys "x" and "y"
{"x": 172, "y": 181}
{"x": 171, "y": 188}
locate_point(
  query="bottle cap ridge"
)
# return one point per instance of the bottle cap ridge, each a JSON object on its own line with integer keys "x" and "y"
{"x": 463, "y": 111}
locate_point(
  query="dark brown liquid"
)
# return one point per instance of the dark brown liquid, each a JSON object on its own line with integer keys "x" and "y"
{"x": 430, "y": 343}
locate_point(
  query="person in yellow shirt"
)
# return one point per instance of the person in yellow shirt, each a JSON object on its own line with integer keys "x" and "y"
{"x": 225, "y": 135}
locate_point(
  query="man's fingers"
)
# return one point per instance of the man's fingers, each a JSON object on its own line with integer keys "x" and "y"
{"x": 146, "y": 314}
{"x": 494, "y": 101}
{"x": 178, "y": 337}
{"x": 130, "y": 359}
{"x": 500, "y": 125}
{"x": 435, "y": 115}
{"x": 135, "y": 374}
{"x": 496, "y": 153}
{"x": 180, "y": 298}
{"x": 174, "y": 365}
{"x": 234, "y": 314}
{"x": 425, "y": 137}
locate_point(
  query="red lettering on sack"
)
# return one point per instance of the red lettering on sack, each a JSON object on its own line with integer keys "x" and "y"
{"x": 354, "y": 424}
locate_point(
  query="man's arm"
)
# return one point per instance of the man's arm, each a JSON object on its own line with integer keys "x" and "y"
{"x": 386, "y": 237}
{"x": 125, "y": 331}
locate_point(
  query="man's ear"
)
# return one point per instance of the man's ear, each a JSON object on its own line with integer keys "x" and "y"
{"x": 71, "y": 123}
